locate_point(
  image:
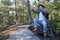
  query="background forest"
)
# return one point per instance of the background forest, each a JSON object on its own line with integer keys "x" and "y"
{"x": 17, "y": 11}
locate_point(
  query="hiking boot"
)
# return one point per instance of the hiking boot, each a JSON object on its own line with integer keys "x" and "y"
{"x": 35, "y": 30}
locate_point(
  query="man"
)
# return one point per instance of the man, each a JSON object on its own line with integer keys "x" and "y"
{"x": 41, "y": 18}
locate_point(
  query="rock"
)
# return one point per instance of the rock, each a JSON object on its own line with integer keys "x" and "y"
{"x": 23, "y": 34}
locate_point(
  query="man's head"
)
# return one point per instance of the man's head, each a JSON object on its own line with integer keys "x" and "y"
{"x": 41, "y": 6}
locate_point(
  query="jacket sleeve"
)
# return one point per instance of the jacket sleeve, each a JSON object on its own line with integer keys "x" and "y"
{"x": 44, "y": 12}
{"x": 36, "y": 11}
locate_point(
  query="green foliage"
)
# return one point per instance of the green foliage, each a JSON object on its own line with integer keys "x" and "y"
{"x": 34, "y": 3}
{"x": 57, "y": 4}
{"x": 55, "y": 9}
{"x": 8, "y": 2}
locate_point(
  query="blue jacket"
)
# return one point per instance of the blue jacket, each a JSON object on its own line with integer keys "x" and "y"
{"x": 38, "y": 11}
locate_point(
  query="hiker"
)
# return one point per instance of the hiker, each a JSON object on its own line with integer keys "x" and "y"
{"x": 41, "y": 18}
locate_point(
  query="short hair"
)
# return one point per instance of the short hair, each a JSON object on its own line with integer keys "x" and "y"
{"x": 41, "y": 5}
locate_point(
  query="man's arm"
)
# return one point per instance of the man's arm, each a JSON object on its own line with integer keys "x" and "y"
{"x": 33, "y": 9}
{"x": 36, "y": 11}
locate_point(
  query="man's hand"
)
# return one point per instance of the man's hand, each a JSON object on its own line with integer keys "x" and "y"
{"x": 34, "y": 6}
